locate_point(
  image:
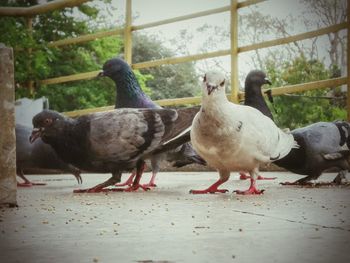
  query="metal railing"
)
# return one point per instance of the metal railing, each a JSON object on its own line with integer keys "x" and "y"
{"x": 234, "y": 50}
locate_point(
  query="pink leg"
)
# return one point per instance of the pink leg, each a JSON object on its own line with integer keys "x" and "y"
{"x": 102, "y": 187}
{"x": 244, "y": 176}
{"x": 212, "y": 189}
{"x": 127, "y": 182}
{"x": 252, "y": 189}
{"x": 136, "y": 184}
{"x": 151, "y": 182}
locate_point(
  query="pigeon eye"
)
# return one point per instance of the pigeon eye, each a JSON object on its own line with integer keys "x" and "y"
{"x": 222, "y": 83}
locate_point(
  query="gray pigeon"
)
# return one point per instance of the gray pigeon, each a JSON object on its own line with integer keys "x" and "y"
{"x": 130, "y": 95}
{"x": 114, "y": 141}
{"x": 234, "y": 137}
{"x": 323, "y": 145}
{"x": 38, "y": 155}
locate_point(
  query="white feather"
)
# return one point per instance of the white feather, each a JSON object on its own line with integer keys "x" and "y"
{"x": 235, "y": 137}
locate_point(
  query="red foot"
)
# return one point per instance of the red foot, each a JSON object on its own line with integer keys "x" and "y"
{"x": 134, "y": 188}
{"x": 250, "y": 191}
{"x": 28, "y": 184}
{"x": 245, "y": 177}
{"x": 127, "y": 182}
{"x": 212, "y": 189}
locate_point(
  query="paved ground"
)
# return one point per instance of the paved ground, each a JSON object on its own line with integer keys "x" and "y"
{"x": 167, "y": 224}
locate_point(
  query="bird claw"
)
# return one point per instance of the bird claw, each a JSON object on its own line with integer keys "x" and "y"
{"x": 78, "y": 177}
{"x": 128, "y": 182}
{"x": 134, "y": 188}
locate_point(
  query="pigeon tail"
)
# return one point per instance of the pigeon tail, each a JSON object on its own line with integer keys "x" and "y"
{"x": 285, "y": 145}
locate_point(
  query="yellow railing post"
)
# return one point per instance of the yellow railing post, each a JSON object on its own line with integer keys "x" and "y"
{"x": 234, "y": 51}
{"x": 30, "y": 83}
{"x": 127, "y": 33}
{"x": 348, "y": 62}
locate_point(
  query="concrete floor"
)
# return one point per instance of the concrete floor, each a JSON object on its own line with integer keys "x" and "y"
{"x": 167, "y": 224}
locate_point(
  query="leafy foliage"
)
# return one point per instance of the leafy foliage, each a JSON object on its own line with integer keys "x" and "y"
{"x": 306, "y": 107}
{"x": 169, "y": 81}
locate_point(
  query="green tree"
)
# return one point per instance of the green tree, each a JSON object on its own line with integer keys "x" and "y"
{"x": 307, "y": 107}
{"x": 169, "y": 81}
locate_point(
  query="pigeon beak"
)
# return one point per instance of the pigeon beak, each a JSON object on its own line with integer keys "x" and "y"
{"x": 36, "y": 133}
{"x": 211, "y": 88}
{"x": 267, "y": 81}
{"x": 101, "y": 74}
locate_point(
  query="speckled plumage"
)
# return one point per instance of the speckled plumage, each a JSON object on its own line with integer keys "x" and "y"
{"x": 130, "y": 95}
{"x": 113, "y": 141}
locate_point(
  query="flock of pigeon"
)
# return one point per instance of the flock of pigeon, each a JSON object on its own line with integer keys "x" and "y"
{"x": 225, "y": 136}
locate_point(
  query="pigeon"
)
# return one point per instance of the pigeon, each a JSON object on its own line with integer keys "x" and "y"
{"x": 234, "y": 137}
{"x": 252, "y": 87}
{"x": 113, "y": 141}
{"x": 38, "y": 155}
{"x": 323, "y": 145}
{"x": 130, "y": 95}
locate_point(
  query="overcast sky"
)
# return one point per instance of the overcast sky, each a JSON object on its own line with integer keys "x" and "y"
{"x": 146, "y": 11}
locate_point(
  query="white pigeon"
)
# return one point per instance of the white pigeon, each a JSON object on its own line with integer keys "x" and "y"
{"x": 233, "y": 137}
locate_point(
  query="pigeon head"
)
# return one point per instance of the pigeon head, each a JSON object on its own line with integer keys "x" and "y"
{"x": 114, "y": 67}
{"x": 256, "y": 78}
{"x": 46, "y": 124}
{"x": 213, "y": 81}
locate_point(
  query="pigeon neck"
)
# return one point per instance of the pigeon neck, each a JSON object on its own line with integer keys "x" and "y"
{"x": 255, "y": 99}
{"x": 253, "y": 92}
{"x": 214, "y": 99}
{"x": 129, "y": 92}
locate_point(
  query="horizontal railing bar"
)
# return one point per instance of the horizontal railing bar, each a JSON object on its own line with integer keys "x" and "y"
{"x": 85, "y": 38}
{"x": 294, "y": 38}
{"x": 197, "y": 100}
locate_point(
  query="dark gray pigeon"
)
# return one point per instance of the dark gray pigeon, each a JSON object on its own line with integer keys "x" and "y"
{"x": 130, "y": 95}
{"x": 38, "y": 155}
{"x": 252, "y": 87}
{"x": 323, "y": 145}
{"x": 114, "y": 141}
